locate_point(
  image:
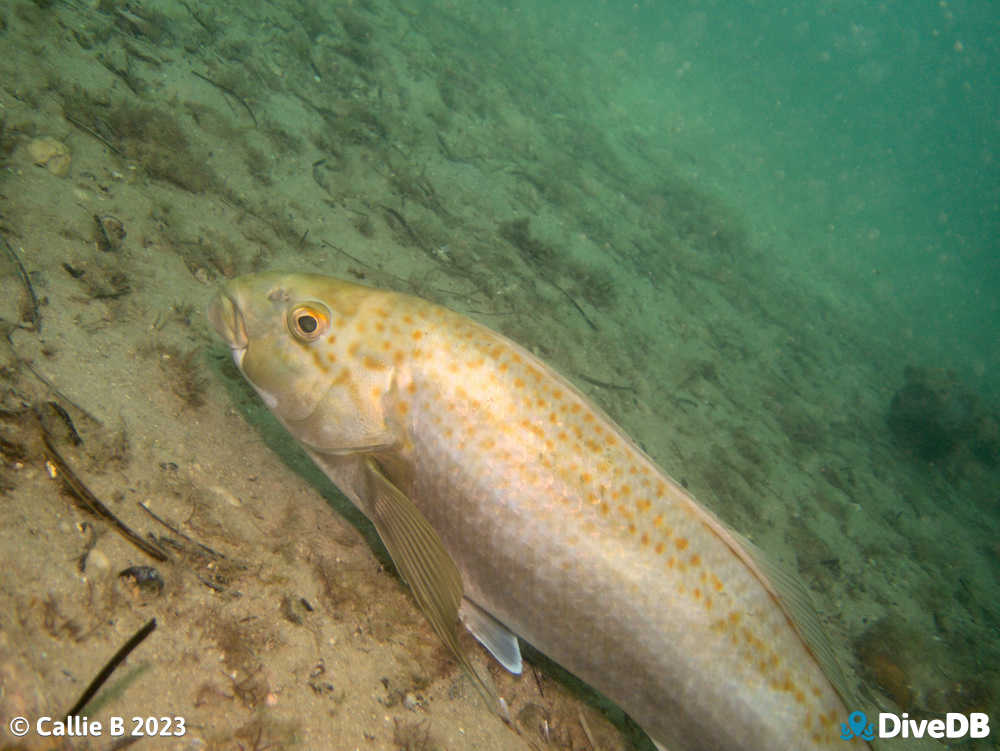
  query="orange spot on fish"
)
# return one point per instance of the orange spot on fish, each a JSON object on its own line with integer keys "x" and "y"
{"x": 318, "y": 361}
{"x": 695, "y": 560}
{"x": 681, "y": 543}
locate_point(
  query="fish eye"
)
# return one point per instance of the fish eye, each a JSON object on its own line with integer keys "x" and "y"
{"x": 308, "y": 322}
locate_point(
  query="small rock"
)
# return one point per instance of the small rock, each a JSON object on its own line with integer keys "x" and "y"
{"x": 143, "y": 582}
{"x": 97, "y": 562}
{"x": 51, "y": 154}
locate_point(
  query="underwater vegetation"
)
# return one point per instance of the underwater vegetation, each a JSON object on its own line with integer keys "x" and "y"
{"x": 893, "y": 656}
{"x": 7, "y": 141}
{"x": 934, "y": 416}
{"x": 590, "y": 282}
{"x": 518, "y": 233}
{"x": 148, "y": 135}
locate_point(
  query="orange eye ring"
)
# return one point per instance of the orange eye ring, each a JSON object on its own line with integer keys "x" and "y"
{"x": 308, "y": 322}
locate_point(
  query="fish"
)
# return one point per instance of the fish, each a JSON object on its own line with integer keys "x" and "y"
{"x": 515, "y": 508}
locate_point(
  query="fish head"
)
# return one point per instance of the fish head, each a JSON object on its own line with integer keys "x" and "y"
{"x": 287, "y": 335}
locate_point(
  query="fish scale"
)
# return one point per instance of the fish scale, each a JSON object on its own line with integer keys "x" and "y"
{"x": 560, "y": 527}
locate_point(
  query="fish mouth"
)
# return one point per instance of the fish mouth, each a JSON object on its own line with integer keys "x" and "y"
{"x": 225, "y": 316}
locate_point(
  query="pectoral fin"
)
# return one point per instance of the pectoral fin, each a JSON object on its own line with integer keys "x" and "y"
{"x": 493, "y": 635}
{"x": 423, "y": 562}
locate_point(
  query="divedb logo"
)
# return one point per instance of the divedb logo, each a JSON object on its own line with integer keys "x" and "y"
{"x": 974, "y": 725}
{"x": 954, "y": 725}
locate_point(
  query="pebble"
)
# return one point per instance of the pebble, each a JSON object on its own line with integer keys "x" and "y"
{"x": 52, "y": 154}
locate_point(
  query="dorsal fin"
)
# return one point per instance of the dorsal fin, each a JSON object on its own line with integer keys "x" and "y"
{"x": 795, "y": 599}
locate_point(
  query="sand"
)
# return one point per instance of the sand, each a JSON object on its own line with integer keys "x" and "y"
{"x": 394, "y": 144}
